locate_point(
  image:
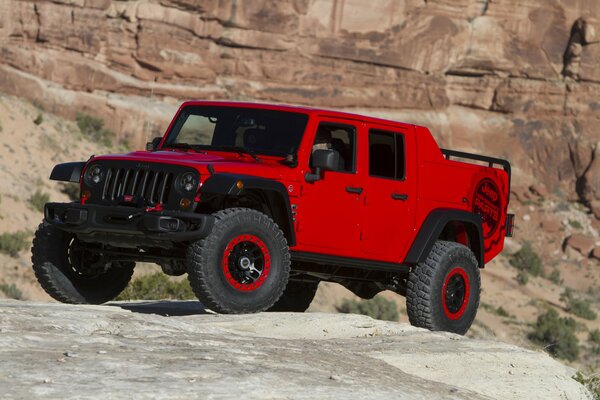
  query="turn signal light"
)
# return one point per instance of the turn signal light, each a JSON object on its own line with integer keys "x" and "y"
{"x": 185, "y": 203}
{"x": 239, "y": 185}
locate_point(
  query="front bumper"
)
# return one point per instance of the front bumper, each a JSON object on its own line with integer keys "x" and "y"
{"x": 91, "y": 219}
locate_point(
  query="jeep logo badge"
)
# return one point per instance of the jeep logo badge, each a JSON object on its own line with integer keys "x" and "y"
{"x": 141, "y": 165}
{"x": 486, "y": 202}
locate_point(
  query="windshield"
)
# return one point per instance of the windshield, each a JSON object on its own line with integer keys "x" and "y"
{"x": 269, "y": 132}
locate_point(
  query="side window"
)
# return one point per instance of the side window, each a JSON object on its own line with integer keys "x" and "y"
{"x": 386, "y": 154}
{"x": 341, "y": 138}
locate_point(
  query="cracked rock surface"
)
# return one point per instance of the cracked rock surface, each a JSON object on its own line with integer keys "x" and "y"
{"x": 178, "y": 350}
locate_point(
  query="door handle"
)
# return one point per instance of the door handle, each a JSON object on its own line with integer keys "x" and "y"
{"x": 399, "y": 196}
{"x": 357, "y": 190}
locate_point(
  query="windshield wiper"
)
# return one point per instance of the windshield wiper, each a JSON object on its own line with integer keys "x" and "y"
{"x": 240, "y": 150}
{"x": 185, "y": 146}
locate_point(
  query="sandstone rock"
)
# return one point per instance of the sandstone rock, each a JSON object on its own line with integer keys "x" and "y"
{"x": 596, "y": 253}
{"x": 595, "y": 207}
{"x": 521, "y": 193}
{"x": 591, "y": 179}
{"x": 539, "y": 189}
{"x": 583, "y": 244}
{"x": 551, "y": 225}
{"x": 511, "y": 246}
{"x": 596, "y": 225}
{"x": 268, "y": 355}
{"x": 481, "y": 84}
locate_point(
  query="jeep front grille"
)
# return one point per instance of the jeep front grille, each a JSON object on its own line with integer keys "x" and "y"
{"x": 153, "y": 186}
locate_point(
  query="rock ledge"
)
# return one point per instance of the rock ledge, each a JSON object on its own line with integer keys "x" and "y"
{"x": 178, "y": 350}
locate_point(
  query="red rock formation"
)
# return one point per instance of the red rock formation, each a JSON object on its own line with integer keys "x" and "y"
{"x": 516, "y": 79}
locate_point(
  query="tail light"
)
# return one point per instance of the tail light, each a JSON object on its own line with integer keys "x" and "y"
{"x": 510, "y": 225}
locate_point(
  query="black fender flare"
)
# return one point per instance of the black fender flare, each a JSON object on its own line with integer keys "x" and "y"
{"x": 275, "y": 192}
{"x": 433, "y": 226}
{"x": 68, "y": 172}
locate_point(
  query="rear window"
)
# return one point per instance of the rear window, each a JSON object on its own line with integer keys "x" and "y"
{"x": 386, "y": 154}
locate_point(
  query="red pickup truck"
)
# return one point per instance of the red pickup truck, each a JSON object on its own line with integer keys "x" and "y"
{"x": 258, "y": 203}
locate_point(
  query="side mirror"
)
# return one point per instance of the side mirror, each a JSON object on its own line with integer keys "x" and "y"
{"x": 153, "y": 145}
{"x": 323, "y": 160}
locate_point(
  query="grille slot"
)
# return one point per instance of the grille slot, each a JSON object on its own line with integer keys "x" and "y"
{"x": 153, "y": 186}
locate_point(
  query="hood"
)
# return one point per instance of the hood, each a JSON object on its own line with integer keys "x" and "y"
{"x": 268, "y": 167}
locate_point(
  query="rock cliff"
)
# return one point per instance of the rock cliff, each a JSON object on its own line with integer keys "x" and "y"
{"x": 176, "y": 350}
{"x": 513, "y": 79}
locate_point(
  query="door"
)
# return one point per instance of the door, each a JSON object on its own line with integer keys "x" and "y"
{"x": 330, "y": 212}
{"x": 390, "y": 193}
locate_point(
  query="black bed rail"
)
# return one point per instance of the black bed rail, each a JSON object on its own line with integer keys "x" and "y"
{"x": 478, "y": 157}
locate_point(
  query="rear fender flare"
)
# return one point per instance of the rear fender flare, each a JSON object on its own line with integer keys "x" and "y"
{"x": 432, "y": 228}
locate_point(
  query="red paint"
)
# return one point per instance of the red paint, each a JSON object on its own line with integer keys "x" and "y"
{"x": 227, "y": 263}
{"x": 369, "y": 225}
{"x": 460, "y": 272}
{"x": 85, "y": 196}
{"x": 158, "y": 207}
{"x": 461, "y": 235}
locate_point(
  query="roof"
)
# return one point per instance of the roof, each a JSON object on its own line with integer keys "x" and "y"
{"x": 298, "y": 109}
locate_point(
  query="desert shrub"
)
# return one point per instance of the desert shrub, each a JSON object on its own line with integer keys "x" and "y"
{"x": 94, "y": 129}
{"x": 527, "y": 260}
{"x": 577, "y": 306}
{"x": 592, "y": 383}
{"x": 522, "y": 278}
{"x": 157, "y": 286}
{"x": 594, "y": 339}
{"x": 575, "y": 224}
{"x": 557, "y": 335}
{"x": 70, "y": 189}
{"x": 378, "y": 308}
{"x": 39, "y": 119}
{"x": 38, "y": 199}
{"x": 554, "y": 277}
{"x": 11, "y": 291}
{"x": 12, "y": 243}
{"x": 499, "y": 311}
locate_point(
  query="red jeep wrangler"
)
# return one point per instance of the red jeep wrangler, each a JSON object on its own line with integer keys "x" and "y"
{"x": 259, "y": 203}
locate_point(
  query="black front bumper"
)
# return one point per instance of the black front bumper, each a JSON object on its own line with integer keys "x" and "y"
{"x": 128, "y": 222}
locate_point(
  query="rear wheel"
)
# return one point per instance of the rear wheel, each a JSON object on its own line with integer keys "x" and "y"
{"x": 443, "y": 292}
{"x": 242, "y": 266}
{"x": 70, "y": 274}
{"x": 297, "y": 297}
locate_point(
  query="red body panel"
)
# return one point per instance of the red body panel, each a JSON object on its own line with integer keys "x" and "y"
{"x": 369, "y": 225}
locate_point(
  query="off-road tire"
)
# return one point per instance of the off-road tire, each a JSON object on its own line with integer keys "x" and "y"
{"x": 208, "y": 260}
{"x": 296, "y": 297}
{"x": 55, "y": 273}
{"x": 428, "y": 284}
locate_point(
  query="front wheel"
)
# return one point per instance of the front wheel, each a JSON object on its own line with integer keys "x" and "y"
{"x": 443, "y": 292}
{"x": 242, "y": 266}
{"x": 70, "y": 274}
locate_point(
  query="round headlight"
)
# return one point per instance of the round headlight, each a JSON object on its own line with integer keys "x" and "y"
{"x": 94, "y": 175}
{"x": 188, "y": 182}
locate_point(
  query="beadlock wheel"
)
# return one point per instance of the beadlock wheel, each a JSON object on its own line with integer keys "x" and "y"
{"x": 443, "y": 291}
{"x": 246, "y": 262}
{"x": 70, "y": 274}
{"x": 242, "y": 266}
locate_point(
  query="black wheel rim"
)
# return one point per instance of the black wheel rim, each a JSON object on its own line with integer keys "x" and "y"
{"x": 455, "y": 293}
{"x": 246, "y": 262}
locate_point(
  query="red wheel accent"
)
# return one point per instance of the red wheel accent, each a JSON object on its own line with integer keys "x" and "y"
{"x": 455, "y": 293}
{"x": 254, "y": 251}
